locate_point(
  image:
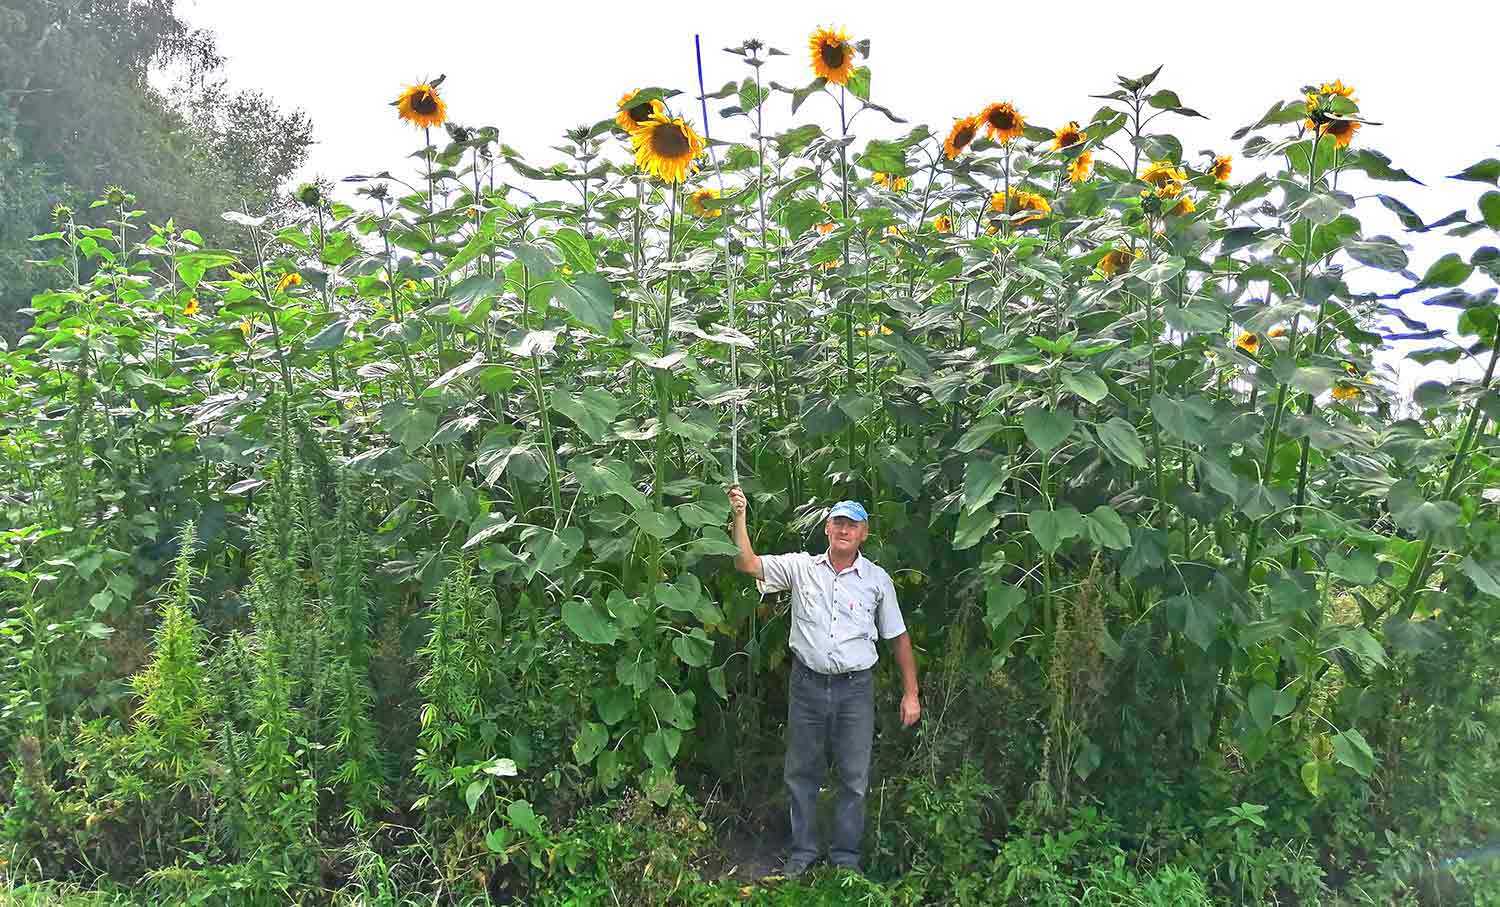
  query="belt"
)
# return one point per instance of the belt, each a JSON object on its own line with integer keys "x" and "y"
{"x": 837, "y": 675}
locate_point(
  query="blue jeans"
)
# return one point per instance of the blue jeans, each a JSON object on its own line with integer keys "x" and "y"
{"x": 830, "y": 718}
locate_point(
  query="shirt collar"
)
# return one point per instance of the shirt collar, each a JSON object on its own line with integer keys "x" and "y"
{"x": 857, "y": 566}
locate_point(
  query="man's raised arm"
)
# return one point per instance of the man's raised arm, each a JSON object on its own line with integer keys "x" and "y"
{"x": 747, "y": 561}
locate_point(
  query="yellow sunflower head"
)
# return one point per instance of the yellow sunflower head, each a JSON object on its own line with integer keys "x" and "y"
{"x": 830, "y": 264}
{"x": 420, "y": 105}
{"x": 1278, "y": 331}
{"x": 942, "y": 224}
{"x": 826, "y": 227}
{"x": 1337, "y": 87}
{"x": 289, "y": 280}
{"x": 1342, "y": 131}
{"x": 1068, "y": 135}
{"x": 1001, "y": 122}
{"x": 1343, "y": 391}
{"x": 633, "y": 115}
{"x": 894, "y": 231}
{"x": 960, "y": 136}
{"x": 1160, "y": 173}
{"x": 192, "y": 307}
{"x": 893, "y": 183}
{"x": 1018, "y": 201}
{"x": 666, "y": 147}
{"x": 1223, "y": 165}
{"x": 1081, "y": 167}
{"x": 1117, "y": 260}
{"x": 245, "y": 328}
{"x": 1183, "y": 207}
{"x": 1169, "y": 190}
{"x": 696, "y": 200}
{"x": 832, "y": 55}
{"x": 1249, "y": 342}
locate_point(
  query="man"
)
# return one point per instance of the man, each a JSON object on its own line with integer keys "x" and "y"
{"x": 840, "y": 601}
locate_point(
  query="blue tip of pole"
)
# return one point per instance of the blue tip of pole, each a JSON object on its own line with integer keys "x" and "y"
{"x": 702, "y": 92}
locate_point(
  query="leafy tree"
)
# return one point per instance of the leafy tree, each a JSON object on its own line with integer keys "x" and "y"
{"x": 79, "y": 112}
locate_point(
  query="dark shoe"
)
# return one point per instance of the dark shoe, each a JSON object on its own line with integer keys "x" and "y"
{"x": 795, "y": 867}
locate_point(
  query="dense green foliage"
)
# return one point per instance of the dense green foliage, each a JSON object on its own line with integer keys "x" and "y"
{"x": 78, "y": 113}
{"x": 379, "y": 558}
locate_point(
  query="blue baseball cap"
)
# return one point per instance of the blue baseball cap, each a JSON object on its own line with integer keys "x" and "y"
{"x": 854, "y": 510}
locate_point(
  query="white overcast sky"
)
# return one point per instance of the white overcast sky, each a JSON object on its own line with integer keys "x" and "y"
{"x": 536, "y": 68}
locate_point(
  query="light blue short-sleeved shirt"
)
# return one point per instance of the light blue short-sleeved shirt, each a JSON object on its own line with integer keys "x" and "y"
{"x": 835, "y": 615}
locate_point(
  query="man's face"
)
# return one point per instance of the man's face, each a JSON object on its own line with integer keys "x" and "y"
{"x": 845, "y": 535}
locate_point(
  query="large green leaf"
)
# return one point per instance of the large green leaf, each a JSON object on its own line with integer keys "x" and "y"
{"x": 1351, "y": 749}
{"x": 1448, "y": 271}
{"x": 591, "y": 626}
{"x": 590, "y": 742}
{"x": 1107, "y": 529}
{"x": 1086, "y": 384}
{"x": 589, "y": 299}
{"x": 693, "y": 649}
{"x": 1051, "y": 528}
{"x": 983, "y": 479}
{"x": 972, "y": 527}
{"x": 1046, "y": 428}
{"x": 1120, "y": 439}
{"x": 591, "y": 409}
{"x": 1414, "y": 512}
{"x": 1262, "y": 702}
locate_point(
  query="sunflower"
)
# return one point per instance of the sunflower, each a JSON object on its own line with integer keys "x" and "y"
{"x": 1249, "y": 342}
{"x": 942, "y": 224}
{"x": 696, "y": 200}
{"x": 895, "y": 231}
{"x": 1002, "y": 122}
{"x": 289, "y": 280}
{"x": 1342, "y": 131}
{"x": 893, "y": 183}
{"x": 1162, "y": 173}
{"x": 832, "y": 55}
{"x": 1183, "y": 207}
{"x": 960, "y": 136}
{"x": 871, "y": 332}
{"x": 1222, "y": 167}
{"x": 632, "y": 116}
{"x": 1081, "y": 167}
{"x": 666, "y": 147}
{"x": 1020, "y": 200}
{"x": 830, "y": 264}
{"x": 420, "y": 105}
{"x": 1117, "y": 260}
{"x": 1068, "y": 135}
{"x": 245, "y": 329}
{"x": 1342, "y": 391}
{"x": 192, "y": 307}
{"x": 1337, "y": 87}
{"x": 1277, "y": 331}
{"x": 826, "y": 227}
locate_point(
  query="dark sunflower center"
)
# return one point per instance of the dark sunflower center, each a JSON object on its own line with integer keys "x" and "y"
{"x": 833, "y": 55}
{"x": 1003, "y": 119}
{"x": 641, "y": 112}
{"x": 424, "y": 102}
{"x": 669, "y": 141}
{"x": 963, "y": 137}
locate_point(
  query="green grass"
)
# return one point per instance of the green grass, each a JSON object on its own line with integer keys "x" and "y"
{"x": 59, "y": 894}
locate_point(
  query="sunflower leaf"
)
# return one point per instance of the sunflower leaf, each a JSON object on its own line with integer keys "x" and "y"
{"x": 589, "y": 299}
{"x": 1486, "y": 171}
{"x": 884, "y": 157}
{"x": 859, "y": 83}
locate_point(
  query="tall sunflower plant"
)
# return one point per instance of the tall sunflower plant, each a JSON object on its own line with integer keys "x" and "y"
{"x": 1027, "y": 347}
